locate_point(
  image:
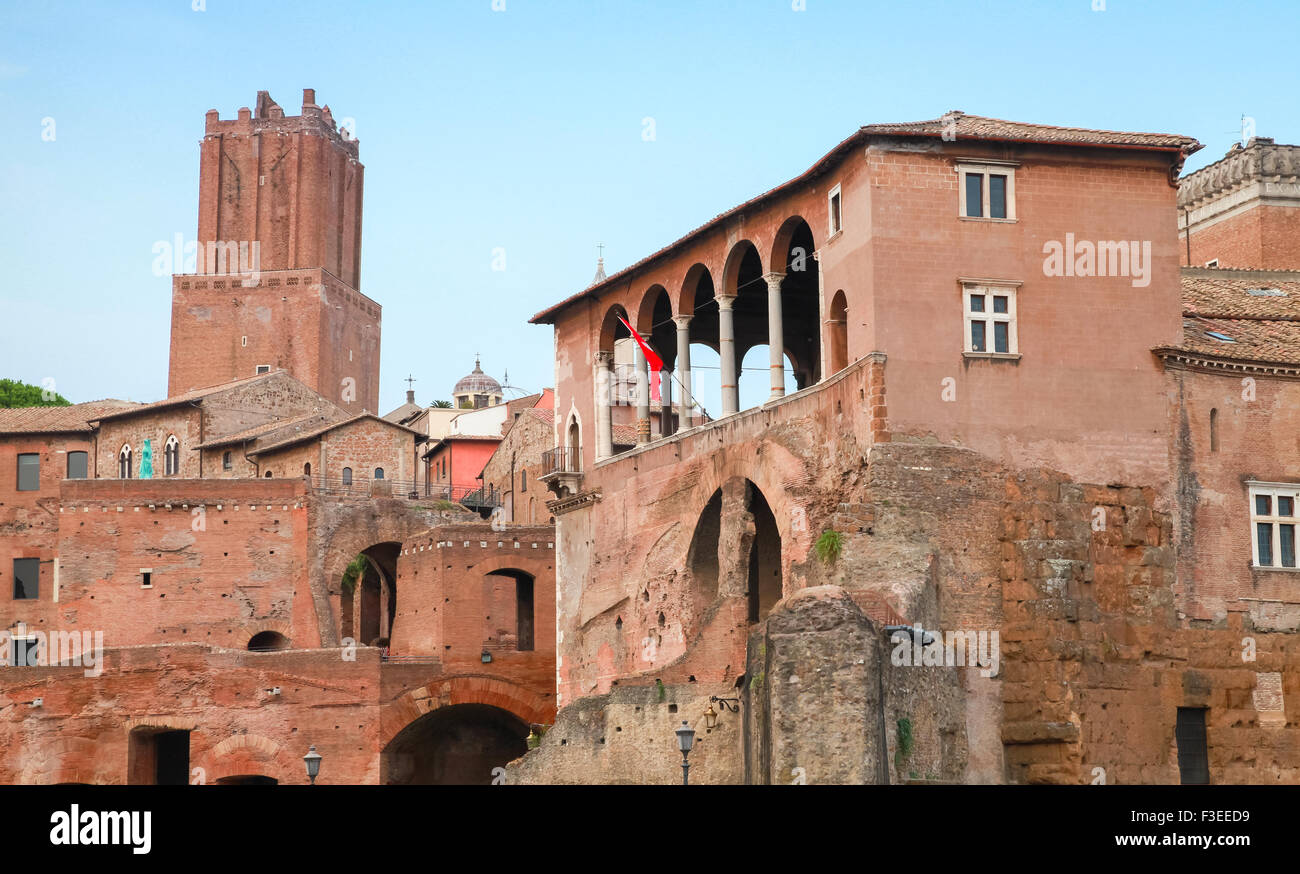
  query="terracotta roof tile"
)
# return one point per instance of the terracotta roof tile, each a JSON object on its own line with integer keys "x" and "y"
{"x": 189, "y": 396}
{"x": 57, "y": 420}
{"x": 969, "y": 127}
{"x": 1245, "y": 315}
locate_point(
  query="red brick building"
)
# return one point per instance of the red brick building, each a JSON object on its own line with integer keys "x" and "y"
{"x": 1011, "y": 417}
{"x": 279, "y": 282}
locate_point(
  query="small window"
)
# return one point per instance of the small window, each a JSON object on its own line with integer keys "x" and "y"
{"x": 306, "y": 469}
{"x": 1213, "y": 262}
{"x": 172, "y": 456}
{"x": 1273, "y": 523}
{"x": 77, "y": 465}
{"x": 27, "y": 579}
{"x": 523, "y": 480}
{"x": 379, "y": 473}
{"x": 29, "y": 471}
{"x": 146, "y": 578}
{"x": 987, "y": 191}
{"x": 25, "y": 652}
{"x": 243, "y": 341}
{"x": 836, "y": 212}
{"x": 124, "y": 463}
{"x": 1214, "y": 430}
{"x": 263, "y": 368}
{"x": 347, "y": 476}
{"x": 990, "y": 320}
{"x": 268, "y": 475}
{"x": 225, "y": 461}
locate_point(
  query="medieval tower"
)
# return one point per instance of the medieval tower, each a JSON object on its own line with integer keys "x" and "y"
{"x": 278, "y": 268}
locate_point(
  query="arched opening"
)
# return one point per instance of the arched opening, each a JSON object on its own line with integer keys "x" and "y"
{"x": 247, "y": 780}
{"x": 1214, "y": 430}
{"x": 379, "y": 473}
{"x": 764, "y": 577}
{"x": 838, "y": 330}
{"x": 172, "y": 456}
{"x": 124, "y": 462}
{"x": 755, "y": 385}
{"x": 656, "y": 326}
{"x": 705, "y": 381}
{"x": 268, "y": 641}
{"x": 368, "y": 602}
{"x": 615, "y": 419}
{"x": 508, "y": 610}
{"x": 742, "y": 278}
{"x": 702, "y": 558}
{"x": 462, "y": 744}
{"x": 347, "y": 476}
{"x": 572, "y": 460}
{"x": 268, "y": 475}
{"x": 306, "y": 469}
{"x": 793, "y": 254}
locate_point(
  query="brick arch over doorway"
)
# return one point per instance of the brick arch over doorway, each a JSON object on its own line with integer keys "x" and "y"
{"x": 528, "y": 707}
{"x": 344, "y": 529}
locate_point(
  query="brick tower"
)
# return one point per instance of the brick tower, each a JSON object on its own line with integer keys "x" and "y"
{"x": 278, "y": 268}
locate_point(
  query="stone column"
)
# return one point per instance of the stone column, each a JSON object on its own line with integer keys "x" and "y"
{"x": 775, "y": 335}
{"x": 665, "y": 405}
{"x": 642, "y": 382}
{"x": 727, "y": 355}
{"x": 603, "y": 377}
{"x": 684, "y": 370}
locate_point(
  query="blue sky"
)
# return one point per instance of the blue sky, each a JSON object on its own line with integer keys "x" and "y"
{"x": 522, "y": 129}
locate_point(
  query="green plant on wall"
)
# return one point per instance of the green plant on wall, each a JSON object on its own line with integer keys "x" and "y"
{"x": 904, "y": 738}
{"x": 354, "y": 572}
{"x": 829, "y": 545}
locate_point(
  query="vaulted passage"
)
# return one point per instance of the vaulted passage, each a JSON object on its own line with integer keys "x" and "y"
{"x": 457, "y": 745}
{"x": 369, "y": 595}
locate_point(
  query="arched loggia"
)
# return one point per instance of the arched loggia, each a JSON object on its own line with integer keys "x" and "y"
{"x": 794, "y": 304}
{"x": 654, "y": 322}
{"x": 605, "y": 384}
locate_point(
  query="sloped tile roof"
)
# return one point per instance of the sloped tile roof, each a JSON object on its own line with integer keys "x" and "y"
{"x": 1245, "y": 315}
{"x": 190, "y": 396}
{"x": 58, "y": 420}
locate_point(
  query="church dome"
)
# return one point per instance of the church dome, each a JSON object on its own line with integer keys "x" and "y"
{"x": 477, "y": 383}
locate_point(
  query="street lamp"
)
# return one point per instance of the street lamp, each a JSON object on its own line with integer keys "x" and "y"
{"x": 685, "y": 740}
{"x": 312, "y": 760}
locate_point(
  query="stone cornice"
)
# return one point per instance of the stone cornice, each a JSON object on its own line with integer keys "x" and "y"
{"x": 560, "y": 506}
{"x": 1259, "y": 161}
{"x": 1186, "y": 359}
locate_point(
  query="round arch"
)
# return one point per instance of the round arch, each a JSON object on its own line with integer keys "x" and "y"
{"x": 696, "y": 290}
{"x": 741, "y": 252}
{"x": 611, "y": 329}
{"x": 521, "y": 703}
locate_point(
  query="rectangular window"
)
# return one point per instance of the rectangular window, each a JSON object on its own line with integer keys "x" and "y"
{"x": 836, "y": 213}
{"x": 1273, "y": 519}
{"x": 25, "y": 652}
{"x": 1193, "y": 751}
{"x": 263, "y": 368}
{"x": 146, "y": 578}
{"x": 987, "y": 191}
{"x": 27, "y": 579}
{"x": 29, "y": 471}
{"x": 77, "y": 465}
{"x": 990, "y": 318}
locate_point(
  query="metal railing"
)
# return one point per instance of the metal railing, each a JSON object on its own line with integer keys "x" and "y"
{"x": 472, "y": 497}
{"x": 562, "y": 459}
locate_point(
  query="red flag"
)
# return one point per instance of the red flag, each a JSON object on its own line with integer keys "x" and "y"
{"x": 656, "y": 363}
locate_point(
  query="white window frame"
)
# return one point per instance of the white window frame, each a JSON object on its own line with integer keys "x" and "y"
{"x": 986, "y": 169}
{"x": 143, "y": 583}
{"x": 13, "y": 650}
{"x": 128, "y": 455}
{"x": 989, "y": 288}
{"x": 1273, "y": 491}
{"x": 835, "y": 222}
{"x": 172, "y": 448}
{"x": 262, "y": 368}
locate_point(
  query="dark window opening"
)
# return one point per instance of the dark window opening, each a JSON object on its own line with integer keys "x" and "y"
{"x": 25, "y": 652}
{"x": 974, "y": 195}
{"x": 1193, "y": 751}
{"x": 27, "y": 577}
{"x": 225, "y": 461}
{"x": 159, "y": 758}
{"x": 347, "y": 476}
{"x": 997, "y": 197}
{"x": 379, "y": 473}
{"x": 1214, "y": 430}
{"x": 268, "y": 641}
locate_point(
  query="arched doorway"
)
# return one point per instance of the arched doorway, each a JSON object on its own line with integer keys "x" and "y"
{"x": 764, "y": 577}
{"x": 838, "y": 330}
{"x": 368, "y": 602}
{"x": 461, "y": 744}
{"x": 508, "y": 610}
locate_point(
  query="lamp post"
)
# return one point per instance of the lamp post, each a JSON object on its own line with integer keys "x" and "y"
{"x": 685, "y": 740}
{"x": 312, "y": 760}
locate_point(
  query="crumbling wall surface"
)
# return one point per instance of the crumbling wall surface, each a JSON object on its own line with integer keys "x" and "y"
{"x": 813, "y": 701}
{"x": 628, "y": 736}
{"x": 248, "y": 714}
